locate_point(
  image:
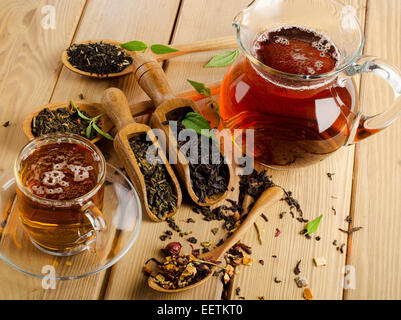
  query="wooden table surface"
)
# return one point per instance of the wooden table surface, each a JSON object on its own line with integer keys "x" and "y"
{"x": 366, "y": 185}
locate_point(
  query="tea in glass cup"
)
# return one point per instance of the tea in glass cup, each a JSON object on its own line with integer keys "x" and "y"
{"x": 60, "y": 188}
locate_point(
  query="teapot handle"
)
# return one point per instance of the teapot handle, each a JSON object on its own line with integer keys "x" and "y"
{"x": 366, "y": 126}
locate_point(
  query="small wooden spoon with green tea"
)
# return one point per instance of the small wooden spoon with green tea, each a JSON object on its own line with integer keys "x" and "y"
{"x": 92, "y": 109}
{"x": 182, "y": 49}
{"x": 268, "y": 198}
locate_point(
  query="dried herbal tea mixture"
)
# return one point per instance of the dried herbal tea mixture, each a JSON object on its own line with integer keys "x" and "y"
{"x": 64, "y": 120}
{"x": 178, "y": 271}
{"x": 160, "y": 194}
{"x": 98, "y": 58}
{"x": 237, "y": 255}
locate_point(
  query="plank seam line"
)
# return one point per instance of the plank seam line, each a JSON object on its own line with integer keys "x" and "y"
{"x": 72, "y": 41}
{"x": 174, "y": 29}
{"x": 355, "y": 164}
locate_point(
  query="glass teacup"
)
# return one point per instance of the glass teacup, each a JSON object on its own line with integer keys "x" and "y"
{"x": 60, "y": 187}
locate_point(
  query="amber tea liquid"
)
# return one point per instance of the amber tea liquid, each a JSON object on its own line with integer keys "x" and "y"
{"x": 293, "y": 126}
{"x": 57, "y": 174}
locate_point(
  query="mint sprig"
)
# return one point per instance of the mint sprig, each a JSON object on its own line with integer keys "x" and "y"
{"x": 92, "y": 123}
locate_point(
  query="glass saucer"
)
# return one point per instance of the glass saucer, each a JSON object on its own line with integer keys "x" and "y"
{"x": 122, "y": 212}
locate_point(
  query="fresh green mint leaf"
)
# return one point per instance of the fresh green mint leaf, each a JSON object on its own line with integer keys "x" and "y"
{"x": 200, "y": 87}
{"x": 196, "y": 122}
{"x": 134, "y": 45}
{"x": 224, "y": 59}
{"x": 160, "y": 49}
{"x": 313, "y": 225}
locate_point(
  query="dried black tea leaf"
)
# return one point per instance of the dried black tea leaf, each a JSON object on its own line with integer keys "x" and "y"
{"x": 98, "y": 58}
{"x": 208, "y": 176}
{"x": 297, "y": 271}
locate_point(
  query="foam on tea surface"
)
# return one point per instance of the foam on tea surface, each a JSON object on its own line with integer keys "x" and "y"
{"x": 297, "y": 50}
{"x": 60, "y": 171}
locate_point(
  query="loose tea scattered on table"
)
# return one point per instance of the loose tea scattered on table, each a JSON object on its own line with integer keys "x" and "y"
{"x": 98, "y": 58}
{"x": 160, "y": 194}
{"x": 301, "y": 282}
{"x": 258, "y": 233}
{"x": 297, "y": 271}
{"x": 349, "y": 232}
{"x": 64, "y": 120}
{"x": 330, "y": 176}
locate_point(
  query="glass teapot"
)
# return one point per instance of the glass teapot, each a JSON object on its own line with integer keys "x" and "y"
{"x": 300, "y": 112}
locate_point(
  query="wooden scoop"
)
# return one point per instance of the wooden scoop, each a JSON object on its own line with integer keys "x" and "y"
{"x": 153, "y": 81}
{"x": 265, "y": 200}
{"x": 208, "y": 45}
{"x": 91, "y": 108}
{"x": 116, "y": 105}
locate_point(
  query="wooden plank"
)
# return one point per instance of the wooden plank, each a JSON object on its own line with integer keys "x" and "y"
{"x": 315, "y": 192}
{"x": 28, "y": 73}
{"x": 199, "y": 20}
{"x": 122, "y": 20}
{"x": 375, "y": 250}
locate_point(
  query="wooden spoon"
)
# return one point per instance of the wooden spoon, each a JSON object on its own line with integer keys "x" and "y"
{"x": 116, "y": 105}
{"x": 265, "y": 200}
{"x": 208, "y": 45}
{"x": 153, "y": 81}
{"x": 93, "y": 109}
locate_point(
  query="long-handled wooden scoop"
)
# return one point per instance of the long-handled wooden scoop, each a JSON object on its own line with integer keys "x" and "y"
{"x": 116, "y": 105}
{"x": 208, "y": 45}
{"x": 153, "y": 81}
{"x": 265, "y": 200}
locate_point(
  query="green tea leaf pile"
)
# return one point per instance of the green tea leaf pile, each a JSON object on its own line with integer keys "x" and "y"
{"x": 160, "y": 194}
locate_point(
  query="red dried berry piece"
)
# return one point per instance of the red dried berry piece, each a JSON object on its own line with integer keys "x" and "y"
{"x": 172, "y": 249}
{"x": 246, "y": 248}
